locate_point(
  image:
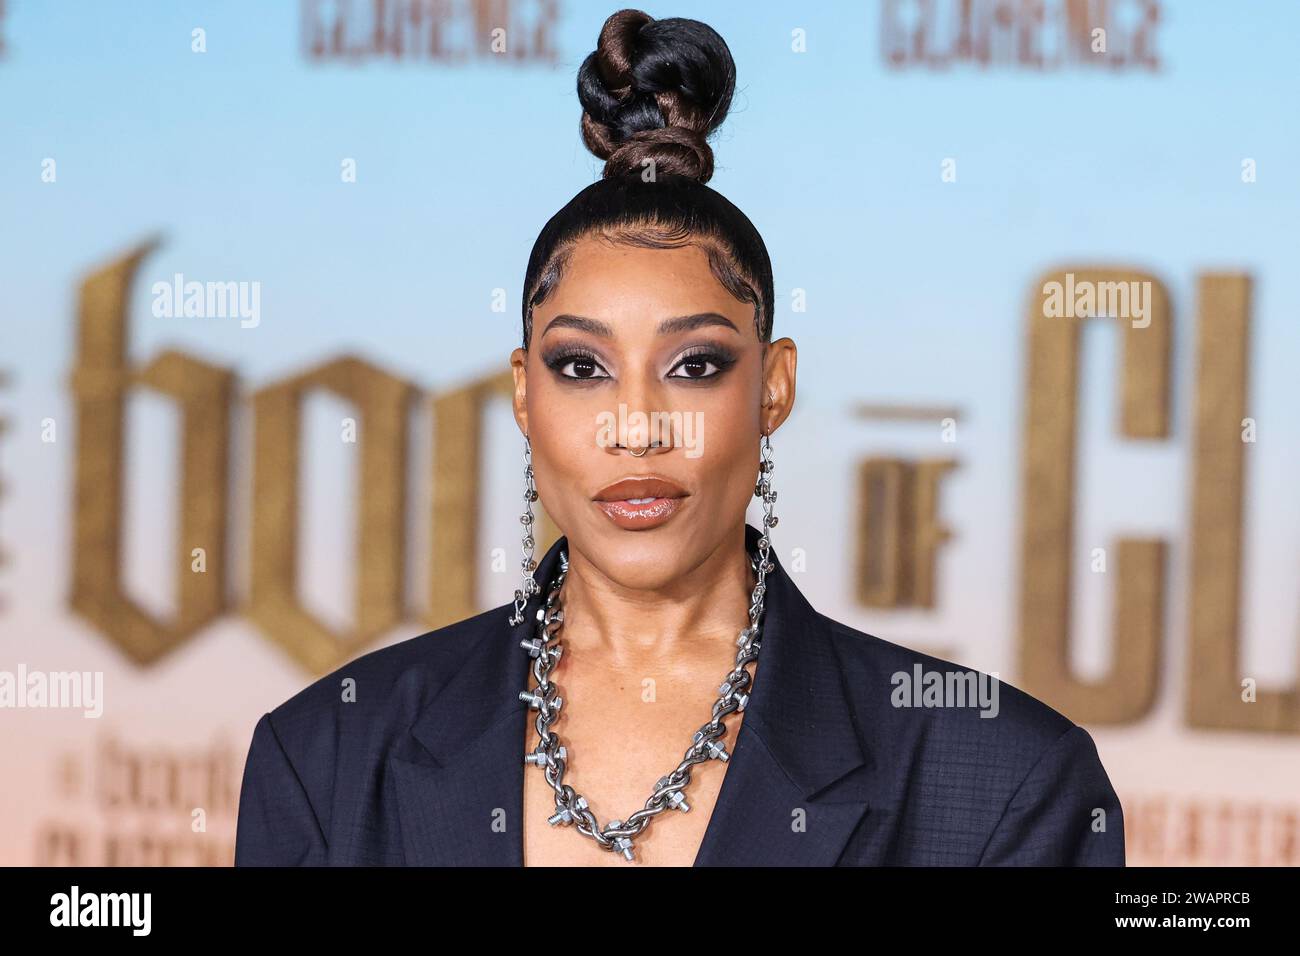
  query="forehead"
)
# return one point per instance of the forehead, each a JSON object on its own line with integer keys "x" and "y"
{"x": 618, "y": 282}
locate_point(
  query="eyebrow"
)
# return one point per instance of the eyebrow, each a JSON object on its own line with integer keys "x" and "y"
{"x": 681, "y": 323}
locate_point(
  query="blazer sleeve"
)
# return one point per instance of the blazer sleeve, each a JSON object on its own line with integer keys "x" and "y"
{"x": 1064, "y": 813}
{"x": 277, "y": 825}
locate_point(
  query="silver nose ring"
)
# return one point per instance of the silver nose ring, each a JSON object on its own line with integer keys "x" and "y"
{"x": 638, "y": 454}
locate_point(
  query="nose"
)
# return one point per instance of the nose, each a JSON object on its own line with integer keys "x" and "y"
{"x": 644, "y": 425}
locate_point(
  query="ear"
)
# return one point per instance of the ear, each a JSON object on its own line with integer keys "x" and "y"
{"x": 779, "y": 361}
{"x": 519, "y": 365}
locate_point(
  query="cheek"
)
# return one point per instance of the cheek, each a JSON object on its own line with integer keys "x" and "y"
{"x": 730, "y": 469}
{"x": 558, "y": 426}
{"x": 562, "y": 433}
{"x": 727, "y": 421}
{"x": 725, "y": 466}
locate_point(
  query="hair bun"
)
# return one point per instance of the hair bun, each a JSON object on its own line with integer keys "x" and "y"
{"x": 655, "y": 89}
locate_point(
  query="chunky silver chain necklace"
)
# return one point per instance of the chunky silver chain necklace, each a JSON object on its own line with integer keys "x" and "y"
{"x": 545, "y": 648}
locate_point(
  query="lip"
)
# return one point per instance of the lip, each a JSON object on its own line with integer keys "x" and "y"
{"x": 642, "y": 502}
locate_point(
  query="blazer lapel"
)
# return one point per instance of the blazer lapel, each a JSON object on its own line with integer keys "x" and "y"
{"x": 460, "y": 789}
{"x": 797, "y": 785}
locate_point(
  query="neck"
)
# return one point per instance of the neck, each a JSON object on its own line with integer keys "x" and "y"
{"x": 693, "y": 613}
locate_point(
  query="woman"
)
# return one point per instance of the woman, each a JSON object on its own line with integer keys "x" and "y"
{"x": 709, "y": 715}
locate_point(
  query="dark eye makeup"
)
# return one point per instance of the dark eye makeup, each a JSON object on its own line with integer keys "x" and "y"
{"x": 701, "y": 363}
{"x": 575, "y": 363}
{"x": 696, "y": 363}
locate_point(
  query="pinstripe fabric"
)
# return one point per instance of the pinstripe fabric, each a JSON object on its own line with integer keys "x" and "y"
{"x": 425, "y": 767}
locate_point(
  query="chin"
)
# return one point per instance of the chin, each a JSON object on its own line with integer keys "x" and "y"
{"x": 644, "y": 560}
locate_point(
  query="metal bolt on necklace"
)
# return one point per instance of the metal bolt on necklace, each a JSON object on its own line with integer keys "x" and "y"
{"x": 571, "y": 808}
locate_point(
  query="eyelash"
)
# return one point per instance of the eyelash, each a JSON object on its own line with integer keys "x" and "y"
{"x": 710, "y": 356}
{"x": 557, "y": 361}
{"x": 720, "y": 360}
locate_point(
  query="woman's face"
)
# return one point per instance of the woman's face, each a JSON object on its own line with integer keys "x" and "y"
{"x": 645, "y": 347}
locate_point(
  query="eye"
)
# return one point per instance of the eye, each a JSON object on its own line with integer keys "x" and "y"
{"x": 704, "y": 363}
{"x": 579, "y": 365}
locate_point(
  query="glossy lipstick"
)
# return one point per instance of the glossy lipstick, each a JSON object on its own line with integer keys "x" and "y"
{"x": 637, "y": 504}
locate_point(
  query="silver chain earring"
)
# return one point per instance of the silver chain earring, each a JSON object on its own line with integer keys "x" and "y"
{"x": 529, "y": 564}
{"x": 763, "y": 490}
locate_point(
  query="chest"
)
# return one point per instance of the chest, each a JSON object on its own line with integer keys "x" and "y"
{"x": 615, "y": 758}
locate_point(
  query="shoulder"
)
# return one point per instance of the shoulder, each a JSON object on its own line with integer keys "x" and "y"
{"x": 904, "y": 686}
{"x": 1008, "y": 778}
{"x": 315, "y": 765}
{"x": 364, "y": 704}
{"x": 931, "y": 721}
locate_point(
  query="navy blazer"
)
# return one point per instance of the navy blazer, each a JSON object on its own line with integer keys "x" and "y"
{"x": 825, "y": 769}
